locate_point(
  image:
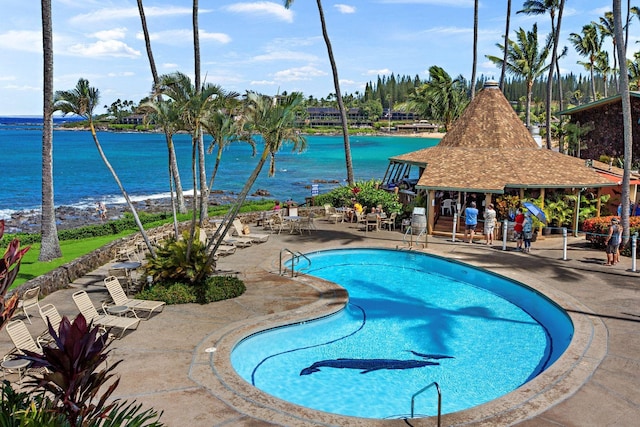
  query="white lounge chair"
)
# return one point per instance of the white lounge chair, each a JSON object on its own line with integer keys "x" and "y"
{"x": 223, "y": 249}
{"x": 121, "y": 299}
{"x": 22, "y": 340}
{"x": 106, "y": 321}
{"x": 241, "y": 242}
{"x": 240, "y": 231}
{"x": 29, "y": 300}
{"x": 49, "y": 313}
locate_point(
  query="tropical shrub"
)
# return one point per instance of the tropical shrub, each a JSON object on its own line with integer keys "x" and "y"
{"x": 176, "y": 262}
{"x": 9, "y": 268}
{"x": 171, "y": 293}
{"x": 216, "y": 288}
{"x": 597, "y": 229}
{"x": 364, "y": 192}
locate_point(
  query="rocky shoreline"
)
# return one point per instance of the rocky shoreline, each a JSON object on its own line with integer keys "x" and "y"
{"x": 68, "y": 217}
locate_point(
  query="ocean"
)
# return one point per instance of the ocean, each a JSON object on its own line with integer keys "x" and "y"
{"x": 140, "y": 160}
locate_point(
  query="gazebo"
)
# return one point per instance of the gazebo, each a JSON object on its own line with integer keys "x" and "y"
{"x": 489, "y": 150}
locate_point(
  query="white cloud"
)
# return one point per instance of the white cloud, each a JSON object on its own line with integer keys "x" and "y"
{"x": 26, "y": 88}
{"x": 104, "y": 48}
{"x": 345, "y": 8}
{"x": 381, "y": 72}
{"x": 452, "y": 3}
{"x": 262, "y": 8}
{"x": 262, "y": 82}
{"x": 122, "y": 74}
{"x": 170, "y": 65}
{"x": 286, "y": 55}
{"x": 300, "y": 73}
{"x": 27, "y": 41}
{"x": 179, "y": 37}
{"x": 112, "y": 14}
{"x": 7, "y": 78}
{"x": 115, "y": 33}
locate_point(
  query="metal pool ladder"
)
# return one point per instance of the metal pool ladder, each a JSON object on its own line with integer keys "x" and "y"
{"x": 295, "y": 258}
{"x": 439, "y": 399}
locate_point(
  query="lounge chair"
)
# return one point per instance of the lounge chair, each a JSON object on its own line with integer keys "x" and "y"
{"x": 49, "y": 313}
{"x": 22, "y": 340}
{"x": 241, "y": 242}
{"x": 29, "y": 300}
{"x": 240, "y": 231}
{"x": 106, "y": 321}
{"x": 223, "y": 249}
{"x": 121, "y": 299}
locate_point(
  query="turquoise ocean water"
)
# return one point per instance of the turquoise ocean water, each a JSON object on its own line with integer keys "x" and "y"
{"x": 140, "y": 159}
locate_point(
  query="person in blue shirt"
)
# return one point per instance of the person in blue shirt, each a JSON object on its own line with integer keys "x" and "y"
{"x": 471, "y": 221}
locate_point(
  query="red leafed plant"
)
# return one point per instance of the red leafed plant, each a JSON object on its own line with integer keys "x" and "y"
{"x": 9, "y": 268}
{"x": 355, "y": 190}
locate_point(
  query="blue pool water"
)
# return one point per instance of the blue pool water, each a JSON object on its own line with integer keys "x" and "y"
{"x": 412, "y": 319}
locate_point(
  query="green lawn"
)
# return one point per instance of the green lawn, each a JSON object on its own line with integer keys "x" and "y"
{"x": 71, "y": 249}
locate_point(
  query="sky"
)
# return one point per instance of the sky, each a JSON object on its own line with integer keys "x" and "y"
{"x": 260, "y": 45}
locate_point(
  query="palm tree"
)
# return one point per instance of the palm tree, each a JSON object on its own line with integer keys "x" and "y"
{"x": 537, "y": 7}
{"x": 506, "y": 41}
{"x": 221, "y": 125}
{"x": 603, "y": 68}
{"x": 634, "y": 72}
{"x": 50, "y": 245}
{"x": 336, "y": 83}
{"x": 82, "y": 101}
{"x": 589, "y": 45}
{"x": 475, "y": 49}
{"x": 274, "y": 120}
{"x": 441, "y": 98}
{"x": 204, "y": 189}
{"x": 607, "y": 29}
{"x": 626, "y": 117}
{"x": 525, "y": 59}
{"x": 175, "y": 173}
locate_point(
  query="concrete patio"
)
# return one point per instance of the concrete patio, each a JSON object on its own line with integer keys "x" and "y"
{"x": 166, "y": 365}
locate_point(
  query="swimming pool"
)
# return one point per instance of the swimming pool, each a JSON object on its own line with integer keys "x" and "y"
{"x": 411, "y": 319}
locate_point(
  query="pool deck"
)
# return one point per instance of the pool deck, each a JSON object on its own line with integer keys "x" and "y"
{"x": 166, "y": 364}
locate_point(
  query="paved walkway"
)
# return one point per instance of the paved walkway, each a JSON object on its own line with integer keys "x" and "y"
{"x": 166, "y": 364}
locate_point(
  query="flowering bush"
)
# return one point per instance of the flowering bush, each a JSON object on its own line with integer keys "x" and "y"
{"x": 597, "y": 229}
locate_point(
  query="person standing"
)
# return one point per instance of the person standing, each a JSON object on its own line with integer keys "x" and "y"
{"x": 489, "y": 223}
{"x": 470, "y": 221}
{"x": 613, "y": 242}
{"x": 517, "y": 229}
{"x": 527, "y": 232}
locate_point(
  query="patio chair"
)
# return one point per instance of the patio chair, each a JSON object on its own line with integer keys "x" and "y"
{"x": 390, "y": 222}
{"x": 105, "y": 321}
{"x": 22, "y": 340}
{"x": 244, "y": 231}
{"x": 446, "y": 207}
{"x": 335, "y": 216}
{"x": 121, "y": 299}
{"x": 373, "y": 222}
{"x": 361, "y": 219}
{"x": 29, "y": 300}
{"x": 240, "y": 242}
{"x": 276, "y": 222}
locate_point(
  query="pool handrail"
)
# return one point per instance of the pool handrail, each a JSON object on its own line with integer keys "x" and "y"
{"x": 413, "y": 398}
{"x": 295, "y": 256}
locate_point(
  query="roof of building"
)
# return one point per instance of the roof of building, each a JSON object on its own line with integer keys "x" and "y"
{"x": 489, "y": 149}
{"x": 598, "y": 103}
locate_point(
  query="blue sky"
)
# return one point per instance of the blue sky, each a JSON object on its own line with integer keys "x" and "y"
{"x": 258, "y": 45}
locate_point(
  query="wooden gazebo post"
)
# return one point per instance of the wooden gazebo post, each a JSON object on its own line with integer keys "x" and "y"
{"x": 576, "y": 213}
{"x": 598, "y": 203}
{"x": 431, "y": 207}
{"x": 541, "y": 207}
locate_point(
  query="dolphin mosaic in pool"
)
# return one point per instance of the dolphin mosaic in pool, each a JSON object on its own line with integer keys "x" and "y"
{"x": 370, "y": 365}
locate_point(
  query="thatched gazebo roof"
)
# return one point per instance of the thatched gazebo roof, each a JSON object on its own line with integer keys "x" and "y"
{"x": 489, "y": 149}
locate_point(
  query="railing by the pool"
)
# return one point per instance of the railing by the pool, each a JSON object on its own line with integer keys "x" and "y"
{"x": 295, "y": 258}
{"x": 413, "y": 398}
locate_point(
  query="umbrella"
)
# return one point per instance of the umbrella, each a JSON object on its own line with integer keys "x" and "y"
{"x": 536, "y": 211}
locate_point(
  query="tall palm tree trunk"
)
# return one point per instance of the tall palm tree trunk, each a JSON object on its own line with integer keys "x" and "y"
{"x": 172, "y": 155}
{"x": 336, "y": 83}
{"x": 626, "y": 118}
{"x": 124, "y": 192}
{"x": 50, "y": 245}
{"x": 555, "y": 31}
{"x": 475, "y": 49}
{"x": 204, "y": 189}
{"x": 506, "y": 43}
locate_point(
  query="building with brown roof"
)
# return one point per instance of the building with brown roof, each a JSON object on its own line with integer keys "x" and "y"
{"x": 490, "y": 151}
